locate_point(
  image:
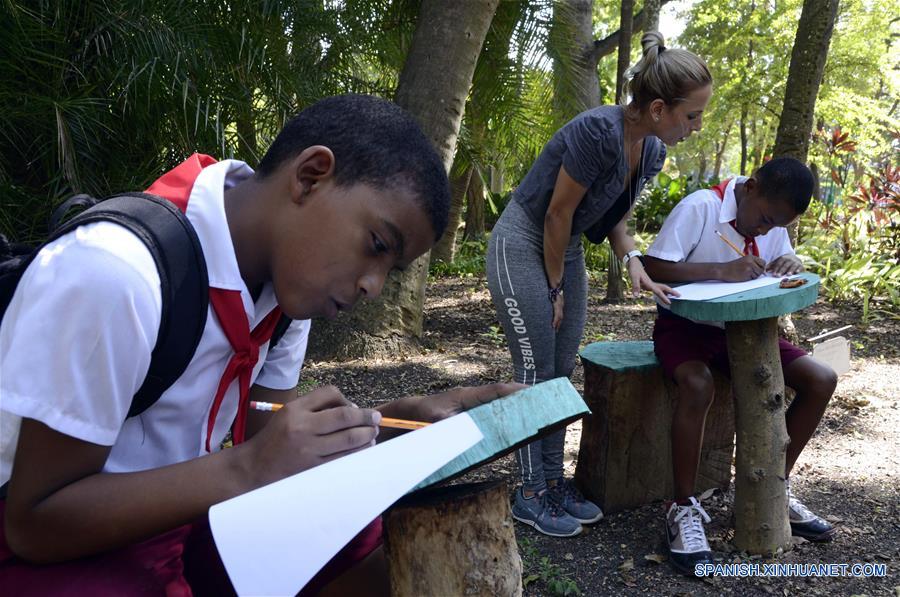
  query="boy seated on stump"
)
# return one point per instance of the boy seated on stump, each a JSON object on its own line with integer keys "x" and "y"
{"x": 102, "y": 504}
{"x": 752, "y": 213}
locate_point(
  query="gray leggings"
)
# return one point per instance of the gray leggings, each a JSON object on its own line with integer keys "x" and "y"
{"x": 518, "y": 284}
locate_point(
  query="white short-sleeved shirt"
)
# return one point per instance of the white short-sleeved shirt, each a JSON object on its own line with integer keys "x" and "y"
{"x": 76, "y": 339}
{"x": 689, "y": 232}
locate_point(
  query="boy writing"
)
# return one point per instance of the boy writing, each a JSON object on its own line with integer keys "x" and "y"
{"x": 98, "y": 503}
{"x": 751, "y": 213}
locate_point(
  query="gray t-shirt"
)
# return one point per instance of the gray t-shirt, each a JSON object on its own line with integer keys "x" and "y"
{"x": 590, "y": 146}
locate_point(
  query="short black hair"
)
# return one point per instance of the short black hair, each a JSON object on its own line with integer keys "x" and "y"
{"x": 787, "y": 179}
{"x": 374, "y": 142}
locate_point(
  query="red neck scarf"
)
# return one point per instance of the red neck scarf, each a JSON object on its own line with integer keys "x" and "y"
{"x": 176, "y": 186}
{"x": 750, "y": 247}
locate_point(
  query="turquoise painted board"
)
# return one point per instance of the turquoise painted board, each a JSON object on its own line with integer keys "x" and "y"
{"x": 510, "y": 422}
{"x": 621, "y": 356}
{"x": 759, "y": 303}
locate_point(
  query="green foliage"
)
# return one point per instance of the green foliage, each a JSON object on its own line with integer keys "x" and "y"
{"x": 469, "y": 261}
{"x": 658, "y": 199}
{"x": 851, "y": 238}
{"x": 537, "y": 568}
{"x": 101, "y": 97}
{"x": 495, "y": 336}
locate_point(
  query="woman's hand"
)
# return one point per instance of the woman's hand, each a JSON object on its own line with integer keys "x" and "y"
{"x": 641, "y": 281}
{"x": 558, "y": 311}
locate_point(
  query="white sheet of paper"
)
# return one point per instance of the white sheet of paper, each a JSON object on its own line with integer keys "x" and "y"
{"x": 702, "y": 291}
{"x": 274, "y": 539}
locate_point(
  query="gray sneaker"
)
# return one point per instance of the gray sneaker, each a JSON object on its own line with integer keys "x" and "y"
{"x": 543, "y": 513}
{"x": 573, "y": 502}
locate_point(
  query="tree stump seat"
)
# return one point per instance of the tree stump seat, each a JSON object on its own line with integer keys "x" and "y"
{"x": 625, "y": 457}
{"x": 453, "y": 540}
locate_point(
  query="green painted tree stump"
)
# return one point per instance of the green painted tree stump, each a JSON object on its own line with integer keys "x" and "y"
{"x": 751, "y": 329}
{"x": 625, "y": 458}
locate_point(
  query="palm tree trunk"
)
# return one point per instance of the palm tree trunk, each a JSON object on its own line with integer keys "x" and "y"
{"x": 445, "y": 249}
{"x": 433, "y": 87}
{"x": 474, "y": 229}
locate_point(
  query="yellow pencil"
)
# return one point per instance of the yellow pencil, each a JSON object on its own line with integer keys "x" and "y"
{"x": 402, "y": 423}
{"x": 730, "y": 244}
{"x": 385, "y": 421}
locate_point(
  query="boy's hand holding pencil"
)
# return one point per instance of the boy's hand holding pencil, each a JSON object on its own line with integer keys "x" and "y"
{"x": 742, "y": 269}
{"x": 316, "y": 428}
{"x": 385, "y": 421}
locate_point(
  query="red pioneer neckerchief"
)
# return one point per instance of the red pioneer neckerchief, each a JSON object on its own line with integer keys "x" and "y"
{"x": 176, "y": 186}
{"x": 750, "y": 247}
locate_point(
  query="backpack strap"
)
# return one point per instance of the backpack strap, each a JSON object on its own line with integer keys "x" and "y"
{"x": 280, "y": 328}
{"x": 184, "y": 282}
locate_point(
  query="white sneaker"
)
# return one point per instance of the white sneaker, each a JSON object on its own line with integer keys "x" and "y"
{"x": 687, "y": 537}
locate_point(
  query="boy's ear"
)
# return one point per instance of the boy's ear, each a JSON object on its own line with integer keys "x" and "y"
{"x": 751, "y": 185}
{"x": 308, "y": 169}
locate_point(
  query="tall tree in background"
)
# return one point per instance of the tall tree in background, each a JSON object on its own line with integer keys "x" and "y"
{"x": 651, "y": 20}
{"x": 433, "y": 87}
{"x": 498, "y": 117}
{"x": 615, "y": 291}
{"x": 625, "y": 28}
{"x": 804, "y": 77}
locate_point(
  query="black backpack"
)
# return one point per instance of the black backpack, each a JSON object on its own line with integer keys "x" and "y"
{"x": 175, "y": 248}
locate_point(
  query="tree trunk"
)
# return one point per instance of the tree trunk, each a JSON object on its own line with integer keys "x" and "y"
{"x": 474, "y": 229}
{"x": 625, "y": 29}
{"x": 455, "y": 540}
{"x": 433, "y": 87}
{"x": 651, "y": 22}
{"x": 760, "y": 501}
{"x": 445, "y": 249}
{"x": 614, "y": 288}
{"x": 721, "y": 145}
{"x": 804, "y": 77}
{"x": 701, "y": 167}
{"x": 743, "y": 125}
{"x": 607, "y": 45}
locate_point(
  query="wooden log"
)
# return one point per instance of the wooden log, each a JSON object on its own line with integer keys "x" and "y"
{"x": 760, "y": 501}
{"x": 456, "y": 540}
{"x": 625, "y": 458}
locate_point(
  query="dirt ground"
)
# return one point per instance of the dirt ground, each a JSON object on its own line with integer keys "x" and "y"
{"x": 849, "y": 472}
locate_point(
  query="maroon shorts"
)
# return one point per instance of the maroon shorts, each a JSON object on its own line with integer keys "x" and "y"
{"x": 179, "y": 563}
{"x": 677, "y": 340}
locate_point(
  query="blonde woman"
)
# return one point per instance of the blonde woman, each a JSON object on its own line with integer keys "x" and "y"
{"x": 584, "y": 181}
